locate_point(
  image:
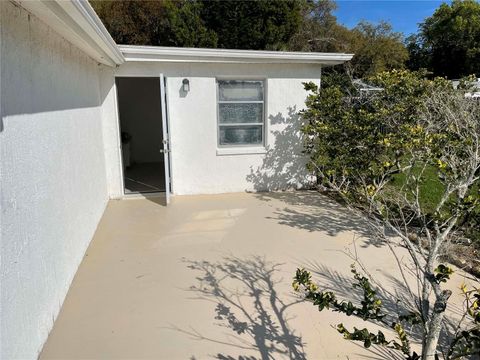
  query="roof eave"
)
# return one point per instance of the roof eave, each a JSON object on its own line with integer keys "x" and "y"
{"x": 78, "y": 23}
{"x": 173, "y": 54}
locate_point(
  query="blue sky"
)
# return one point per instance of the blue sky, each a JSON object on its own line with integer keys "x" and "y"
{"x": 403, "y": 15}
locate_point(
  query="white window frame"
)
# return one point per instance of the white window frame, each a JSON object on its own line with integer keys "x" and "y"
{"x": 232, "y": 149}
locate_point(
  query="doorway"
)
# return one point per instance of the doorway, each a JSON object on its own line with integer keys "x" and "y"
{"x": 142, "y": 134}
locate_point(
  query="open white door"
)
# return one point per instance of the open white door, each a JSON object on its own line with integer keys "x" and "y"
{"x": 166, "y": 139}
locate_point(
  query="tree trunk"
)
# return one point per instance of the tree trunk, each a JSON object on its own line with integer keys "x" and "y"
{"x": 425, "y": 299}
{"x": 425, "y": 307}
{"x": 435, "y": 325}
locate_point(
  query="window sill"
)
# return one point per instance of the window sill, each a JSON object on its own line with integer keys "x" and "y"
{"x": 241, "y": 151}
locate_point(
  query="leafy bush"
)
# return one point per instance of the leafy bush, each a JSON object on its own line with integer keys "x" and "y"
{"x": 380, "y": 151}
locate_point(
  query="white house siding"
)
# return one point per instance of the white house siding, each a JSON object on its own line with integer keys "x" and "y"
{"x": 52, "y": 170}
{"x": 197, "y": 167}
{"x": 111, "y": 132}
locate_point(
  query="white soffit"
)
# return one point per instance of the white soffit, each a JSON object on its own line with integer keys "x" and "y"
{"x": 174, "y": 54}
{"x": 78, "y": 23}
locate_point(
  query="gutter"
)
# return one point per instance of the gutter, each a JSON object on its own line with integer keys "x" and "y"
{"x": 175, "y": 54}
{"x": 89, "y": 13}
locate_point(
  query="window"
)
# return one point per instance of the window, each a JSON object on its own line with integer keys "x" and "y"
{"x": 240, "y": 112}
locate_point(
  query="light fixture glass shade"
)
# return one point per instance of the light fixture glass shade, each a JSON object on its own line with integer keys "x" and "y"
{"x": 186, "y": 85}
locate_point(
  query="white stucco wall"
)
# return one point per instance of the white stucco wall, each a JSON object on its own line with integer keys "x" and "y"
{"x": 52, "y": 171}
{"x": 111, "y": 133}
{"x": 197, "y": 165}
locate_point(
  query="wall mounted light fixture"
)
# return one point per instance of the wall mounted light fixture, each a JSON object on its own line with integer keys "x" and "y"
{"x": 186, "y": 85}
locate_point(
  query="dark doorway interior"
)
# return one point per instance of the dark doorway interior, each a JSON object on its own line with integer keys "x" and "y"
{"x": 141, "y": 131}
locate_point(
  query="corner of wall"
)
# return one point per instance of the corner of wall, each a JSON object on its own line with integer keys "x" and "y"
{"x": 110, "y": 132}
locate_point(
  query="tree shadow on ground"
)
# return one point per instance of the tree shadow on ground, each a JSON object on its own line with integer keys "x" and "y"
{"x": 315, "y": 212}
{"x": 397, "y": 298}
{"x": 284, "y": 165}
{"x": 310, "y": 210}
{"x": 247, "y": 303}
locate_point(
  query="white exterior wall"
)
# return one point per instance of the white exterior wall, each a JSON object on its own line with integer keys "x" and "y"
{"x": 111, "y": 133}
{"x": 52, "y": 171}
{"x": 198, "y": 166}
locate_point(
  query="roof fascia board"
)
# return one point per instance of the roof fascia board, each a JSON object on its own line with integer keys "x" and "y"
{"x": 97, "y": 30}
{"x": 172, "y": 54}
{"x": 77, "y": 22}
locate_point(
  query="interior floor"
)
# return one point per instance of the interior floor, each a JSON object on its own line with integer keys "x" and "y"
{"x": 145, "y": 177}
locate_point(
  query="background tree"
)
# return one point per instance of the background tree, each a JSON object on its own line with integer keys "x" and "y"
{"x": 238, "y": 24}
{"x": 418, "y": 58}
{"x": 294, "y": 25}
{"x": 160, "y": 23}
{"x": 377, "y": 48}
{"x": 382, "y": 153}
{"x": 319, "y": 30}
{"x": 448, "y": 42}
{"x": 255, "y": 25}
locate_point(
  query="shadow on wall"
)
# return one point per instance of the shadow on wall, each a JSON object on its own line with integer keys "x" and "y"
{"x": 284, "y": 165}
{"x": 248, "y": 304}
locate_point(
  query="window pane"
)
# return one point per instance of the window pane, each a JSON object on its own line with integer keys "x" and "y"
{"x": 240, "y": 90}
{"x": 240, "y": 113}
{"x": 241, "y": 135}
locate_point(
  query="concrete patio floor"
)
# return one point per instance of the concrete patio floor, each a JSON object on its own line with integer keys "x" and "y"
{"x": 209, "y": 277}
